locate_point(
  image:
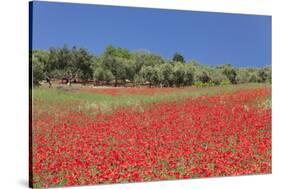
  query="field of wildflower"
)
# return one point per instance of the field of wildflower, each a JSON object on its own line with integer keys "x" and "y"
{"x": 86, "y": 135}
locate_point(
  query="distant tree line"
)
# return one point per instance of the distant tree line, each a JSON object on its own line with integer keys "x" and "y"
{"x": 118, "y": 66}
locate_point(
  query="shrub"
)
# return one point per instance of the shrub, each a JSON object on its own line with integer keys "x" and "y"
{"x": 225, "y": 82}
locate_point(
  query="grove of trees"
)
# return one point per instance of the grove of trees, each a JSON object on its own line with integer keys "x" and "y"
{"x": 118, "y": 66}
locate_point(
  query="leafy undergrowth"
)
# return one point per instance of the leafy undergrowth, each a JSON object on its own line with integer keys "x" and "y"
{"x": 217, "y": 135}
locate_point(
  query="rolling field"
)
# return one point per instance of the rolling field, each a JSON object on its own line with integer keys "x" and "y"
{"x": 84, "y": 135}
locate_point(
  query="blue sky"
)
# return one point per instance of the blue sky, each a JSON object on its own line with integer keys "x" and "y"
{"x": 210, "y": 38}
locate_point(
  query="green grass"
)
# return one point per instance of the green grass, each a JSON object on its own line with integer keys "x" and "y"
{"x": 79, "y": 100}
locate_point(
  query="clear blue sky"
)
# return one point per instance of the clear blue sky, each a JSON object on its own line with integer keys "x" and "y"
{"x": 210, "y": 38}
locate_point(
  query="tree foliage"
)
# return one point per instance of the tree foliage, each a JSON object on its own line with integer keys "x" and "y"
{"x": 178, "y": 58}
{"x": 119, "y": 66}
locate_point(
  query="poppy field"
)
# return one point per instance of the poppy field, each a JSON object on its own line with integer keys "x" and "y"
{"x": 83, "y": 136}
